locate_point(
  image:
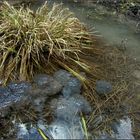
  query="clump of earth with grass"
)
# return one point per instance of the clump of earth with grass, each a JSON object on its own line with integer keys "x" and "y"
{"x": 57, "y": 79}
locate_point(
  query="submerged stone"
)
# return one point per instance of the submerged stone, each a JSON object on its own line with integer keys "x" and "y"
{"x": 81, "y": 103}
{"x": 64, "y": 109}
{"x": 103, "y": 87}
{"x": 67, "y": 124}
{"x": 68, "y": 109}
{"x": 121, "y": 129}
{"x": 19, "y": 87}
{"x": 39, "y": 104}
{"x": 59, "y": 129}
{"x": 124, "y": 129}
{"x": 62, "y": 76}
{"x": 46, "y": 85}
{"x": 27, "y": 131}
{"x": 72, "y": 87}
{"x": 4, "y": 92}
{"x": 42, "y": 80}
{"x": 11, "y": 99}
{"x": 24, "y": 133}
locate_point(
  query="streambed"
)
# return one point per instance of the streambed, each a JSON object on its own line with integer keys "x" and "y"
{"x": 113, "y": 33}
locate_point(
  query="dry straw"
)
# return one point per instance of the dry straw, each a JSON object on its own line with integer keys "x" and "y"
{"x": 42, "y": 41}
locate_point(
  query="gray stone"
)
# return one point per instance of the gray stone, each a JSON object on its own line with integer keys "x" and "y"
{"x": 59, "y": 129}
{"x": 68, "y": 109}
{"x": 81, "y": 103}
{"x": 28, "y": 133}
{"x": 45, "y": 86}
{"x": 64, "y": 109}
{"x": 4, "y": 92}
{"x": 42, "y": 80}
{"x": 10, "y": 99}
{"x": 72, "y": 87}
{"x": 62, "y": 76}
{"x": 19, "y": 87}
{"x": 39, "y": 104}
{"x": 22, "y": 132}
{"x": 103, "y": 87}
{"x": 124, "y": 129}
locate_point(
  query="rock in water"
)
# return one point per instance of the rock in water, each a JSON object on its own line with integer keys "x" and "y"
{"x": 68, "y": 109}
{"x": 9, "y": 99}
{"x": 62, "y": 76}
{"x": 46, "y": 85}
{"x": 81, "y": 103}
{"x": 72, "y": 87}
{"x": 64, "y": 109}
{"x": 39, "y": 104}
{"x": 30, "y": 133}
{"x": 103, "y": 87}
{"x": 4, "y": 105}
{"x": 60, "y": 129}
{"x": 19, "y": 87}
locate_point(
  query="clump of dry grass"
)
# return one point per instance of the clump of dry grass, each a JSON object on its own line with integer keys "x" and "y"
{"x": 40, "y": 41}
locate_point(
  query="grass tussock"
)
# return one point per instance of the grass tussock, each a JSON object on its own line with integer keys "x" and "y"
{"x": 41, "y": 41}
